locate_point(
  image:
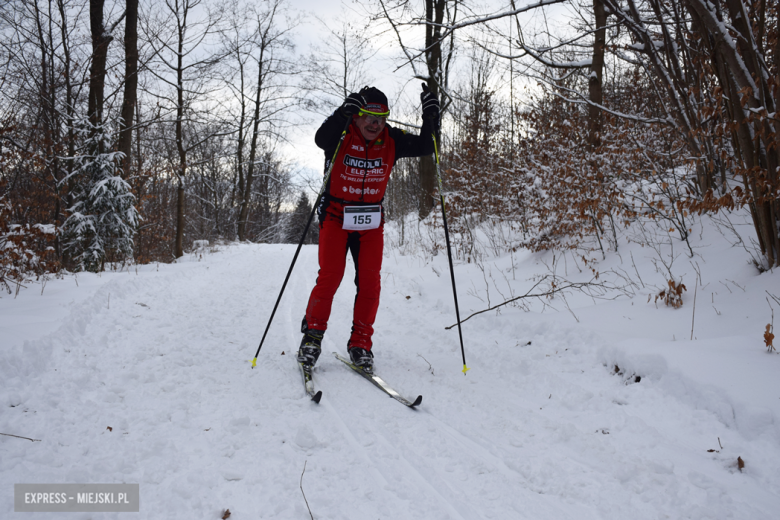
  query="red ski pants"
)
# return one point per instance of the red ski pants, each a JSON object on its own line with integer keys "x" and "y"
{"x": 366, "y": 248}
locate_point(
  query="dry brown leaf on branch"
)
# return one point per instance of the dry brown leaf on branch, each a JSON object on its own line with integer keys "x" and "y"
{"x": 226, "y": 514}
{"x": 109, "y": 428}
{"x": 740, "y": 463}
{"x": 768, "y": 338}
{"x": 672, "y": 296}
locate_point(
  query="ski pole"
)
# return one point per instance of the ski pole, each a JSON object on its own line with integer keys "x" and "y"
{"x": 449, "y": 252}
{"x": 303, "y": 237}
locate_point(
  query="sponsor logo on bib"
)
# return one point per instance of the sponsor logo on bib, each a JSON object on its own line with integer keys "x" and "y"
{"x": 359, "y": 162}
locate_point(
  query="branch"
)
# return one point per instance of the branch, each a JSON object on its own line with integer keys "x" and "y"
{"x": 585, "y": 101}
{"x": 450, "y": 29}
{"x": 400, "y": 40}
{"x": 18, "y": 437}
{"x": 555, "y": 289}
{"x": 304, "y": 494}
{"x": 537, "y": 53}
{"x": 119, "y": 20}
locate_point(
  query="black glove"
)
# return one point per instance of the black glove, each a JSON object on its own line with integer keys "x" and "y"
{"x": 430, "y": 105}
{"x": 352, "y": 105}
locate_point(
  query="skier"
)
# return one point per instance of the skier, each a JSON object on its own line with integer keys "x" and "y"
{"x": 351, "y": 214}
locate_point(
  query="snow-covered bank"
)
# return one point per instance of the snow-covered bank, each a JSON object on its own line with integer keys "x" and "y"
{"x": 541, "y": 427}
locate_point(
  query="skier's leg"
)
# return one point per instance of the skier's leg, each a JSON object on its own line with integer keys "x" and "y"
{"x": 332, "y": 258}
{"x": 366, "y": 249}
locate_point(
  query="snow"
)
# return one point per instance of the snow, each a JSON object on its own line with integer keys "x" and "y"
{"x": 584, "y": 409}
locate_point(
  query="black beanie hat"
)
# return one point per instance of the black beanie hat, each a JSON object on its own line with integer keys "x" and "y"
{"x": 374, "y": 96}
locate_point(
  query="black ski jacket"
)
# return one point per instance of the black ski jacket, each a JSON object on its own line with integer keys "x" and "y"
{"x": 406, "y": 145}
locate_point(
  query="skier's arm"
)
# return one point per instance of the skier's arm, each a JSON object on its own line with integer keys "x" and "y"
{"x": 411, "y": 145}
{"x": 329, "y": 133}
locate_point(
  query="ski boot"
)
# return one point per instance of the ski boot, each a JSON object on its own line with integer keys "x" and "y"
{"x": 311, "y": 347}
{"x": 362, "y": 358}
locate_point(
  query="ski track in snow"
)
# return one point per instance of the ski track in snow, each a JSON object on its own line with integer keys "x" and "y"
{"x": 539, "y": 431}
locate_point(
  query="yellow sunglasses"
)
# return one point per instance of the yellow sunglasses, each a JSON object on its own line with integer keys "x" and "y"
{"x": 364, "y": 112}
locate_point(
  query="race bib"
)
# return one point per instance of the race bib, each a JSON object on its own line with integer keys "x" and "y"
{"x": 360, "y": 218}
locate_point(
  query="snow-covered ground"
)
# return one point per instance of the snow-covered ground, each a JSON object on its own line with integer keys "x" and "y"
{"x": 589, "y": 409}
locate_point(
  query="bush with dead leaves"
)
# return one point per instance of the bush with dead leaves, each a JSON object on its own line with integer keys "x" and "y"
{"x": 768, "y": 338}
{"x": 673, "y": 295}
{"x": 27, "y": 251}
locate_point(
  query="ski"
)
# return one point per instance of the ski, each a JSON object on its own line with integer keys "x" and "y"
{"x": 308, "y": 383}
{"x": 379, "y": 383}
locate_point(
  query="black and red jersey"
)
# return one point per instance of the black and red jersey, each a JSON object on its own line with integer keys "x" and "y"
{"x": 362, "y": 169}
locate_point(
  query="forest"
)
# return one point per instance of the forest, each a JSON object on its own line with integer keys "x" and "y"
{"x": 130, "y": 130}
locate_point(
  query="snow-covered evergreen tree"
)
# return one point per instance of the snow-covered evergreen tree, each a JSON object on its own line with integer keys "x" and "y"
{"x": 103, "y": 218}
{"x": 297, "y": 223}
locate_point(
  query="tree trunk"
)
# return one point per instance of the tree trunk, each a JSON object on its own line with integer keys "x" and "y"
{"x": 125, "y": 144}
{"x": 179, "y": 243}
{"x": 48, "y": 115}
{"x": 264, "y": 68}
{"x": 246, "y": 196}
{"x": 434, "y": 15}
{"x": 749, "y": 94}
{"x": 427, "y": 186}
{"x": 70, "y": 119}
{"x": 595, "y": 89}
{"x": 240, "y": 150}
{"x": 97, "y": 76}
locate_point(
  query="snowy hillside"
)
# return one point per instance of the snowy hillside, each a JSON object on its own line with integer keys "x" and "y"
{"x": 582, "y": 409}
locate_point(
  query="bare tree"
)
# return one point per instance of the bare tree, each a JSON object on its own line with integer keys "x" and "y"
{"x": 436, "y": 57}
{"x": 131, "y": 84}
{"x": 595, "y": 78}
{"x": 40, "y": 93}
{"x": 338, "y": 66}
{"x": 711, "y": 67}
{"x": 181, "y": 35}
{"x": 266, "y": 46}
{"x": 101, "y": 38}
{"x": 717, "y": 79}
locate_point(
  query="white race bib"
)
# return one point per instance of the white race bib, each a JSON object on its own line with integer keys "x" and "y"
{"x": 360, "y": 218}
